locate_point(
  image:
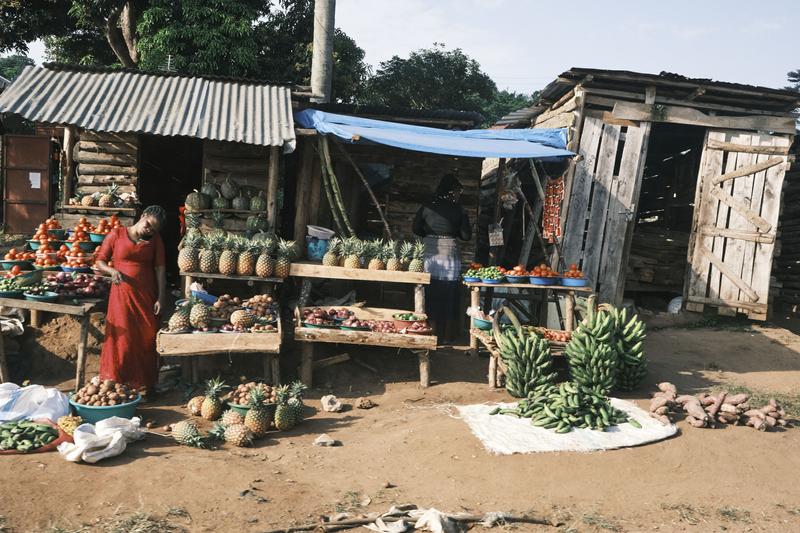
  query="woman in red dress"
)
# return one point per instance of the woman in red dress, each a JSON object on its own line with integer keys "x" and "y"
{"x": 138, "y": 289}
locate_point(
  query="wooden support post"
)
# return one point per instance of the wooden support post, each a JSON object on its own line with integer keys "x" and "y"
{"x": 304, "y": 191}
{"x": 80, "y": 370}
{"x": 498, "y": 189}
{"x": 4, "y": 375}
{"x": 387, "y": 231}
{"x": 267, "y": 371}
{"x": 70, "y": 140}
{"x": 187, "y": 284}
{"x": 419, "y": 299}
{"x": 275, "y": 361}
{"x": 424, "y": 368}
{"x": 36, "y": 318}
{"x": 474, "y": 301}
{"x": 307, "y": 363}
{"x": 272, "y": 187}
{"x": 569, "y": 321}
{"x": 492, "y": 371}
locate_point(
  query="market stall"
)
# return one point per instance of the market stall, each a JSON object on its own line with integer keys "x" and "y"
{"x": 369, "y": 334}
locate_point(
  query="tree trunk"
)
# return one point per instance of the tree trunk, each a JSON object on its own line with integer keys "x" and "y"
{"x": 116, "y": 39}
{"x": 129, "y": 30}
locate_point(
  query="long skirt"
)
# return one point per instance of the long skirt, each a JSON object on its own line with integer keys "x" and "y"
{"x": 443, "y": 262}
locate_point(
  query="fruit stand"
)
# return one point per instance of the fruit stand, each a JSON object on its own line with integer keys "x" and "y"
{"x": 420, "y": 344}
{"x": 568, "y": 286}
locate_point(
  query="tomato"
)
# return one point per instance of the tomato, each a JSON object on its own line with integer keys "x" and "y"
{"x": 16, "y": 270}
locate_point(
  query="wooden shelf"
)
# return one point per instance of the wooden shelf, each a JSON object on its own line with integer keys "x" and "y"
{"x": 64, "y": 309}
{"x": 93, "y": 208}
{"x": 228, "y": 211}
{"x": 307, "y": 269}
{"x": 187, "y": 344}
{"x": 231, "y": 278}
{"x": 529, "y": 286}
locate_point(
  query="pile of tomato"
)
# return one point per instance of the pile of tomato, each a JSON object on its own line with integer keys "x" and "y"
{"x": 46, "y": 256}
{"x": 573, "y": 272}
{"x": 544, "y": 271}
{"x": 17, "y": 255}
{"x": 104, "y": 226}
{"x": 14, "y": 272}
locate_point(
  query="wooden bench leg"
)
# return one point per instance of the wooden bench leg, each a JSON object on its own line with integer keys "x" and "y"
{"x": 36, "y": 318}
{"x": 474, "y": 301}
{"x": 80, "y": 371}
{"x": 275, "y": 361}
{"x": 307, "y": 363}
{"x": 4, "y": 375}
{"x": 267, "y": 368}
{"x": 424, "y": 368}
{"x": 492, "y": 371}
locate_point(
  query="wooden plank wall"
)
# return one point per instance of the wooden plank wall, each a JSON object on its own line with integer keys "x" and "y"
{"x": 104, "y": 159}
{"x": 415, "y": 176}
{"x": 246, "y": 164}
{"x": 786, "y": 264}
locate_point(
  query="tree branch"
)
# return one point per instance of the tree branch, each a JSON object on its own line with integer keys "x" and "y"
{"x": 129, "y": 30}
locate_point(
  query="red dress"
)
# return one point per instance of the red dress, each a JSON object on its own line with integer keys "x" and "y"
{"x": 129, "y": 352}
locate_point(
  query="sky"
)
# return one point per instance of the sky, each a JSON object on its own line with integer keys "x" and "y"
{"x": 525, "y": 44}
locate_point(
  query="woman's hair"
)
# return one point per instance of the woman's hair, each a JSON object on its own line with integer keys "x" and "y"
{"x": 448, "y": 185}
{"x": 157, "y": 212}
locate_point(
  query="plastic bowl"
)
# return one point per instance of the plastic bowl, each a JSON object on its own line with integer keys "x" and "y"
{"x": 320, "y": 233}
{"x": 87, "y": 246}
{"x": 471, "y": 279}
{"x": 59, "y": 234}
{"x": 22, "y": 264}
{"x": 46, "y": 297}
{"x": 47, "y": 267}
{"x": 242, "y": 409}
{"x": 96, "y": 237}
{"x": 353, "y": 328}
{"x": 34, "y": 244}
{"x": 536, "y": 280}
{"x": 11, "y": 294}
{"x": 493, "y": 281}
{"x": 402, "y": 324}
{"x": 480, "y": 323}
{"x": 93, "y": 414}
{"x": 80, "y": 270}
{"x": 518, "y": 279}
{"x": 574, "y": 282}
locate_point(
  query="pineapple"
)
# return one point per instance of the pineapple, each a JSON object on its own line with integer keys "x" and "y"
{"x": 199, "y": 315}
{"x": 331, "y": 257}
{"x": 406, "y": 251}
{"x": 238, "y": 435}
{"x": 179, "y": 321}
{"x": 88, "y": 200}
{"x": 265, "y": 264}
{"x": 195, "y": 404}
{"x": 376, "y": 255}
{"x": 393, "y": 258}
{"x": 228, "y": 257}
{"x": 296, "y": 405}
{"x": 284, "y": 413}
{"x": 109, "y": 199}
{"x": 243, "y": 319}
{"x": 247, "y": 257}
{"x": 217, "y": 432}
{"x": 212, "y": 406}
{"x": 417, "y": 263}
{"x": 286, "y": 253}
{"x": 188, "y": 258}
{"x": 208, "y": 255}
{"x": 231, "y": 417}
{"x": 352, "y": 250}
{"x": 185, "y": 432}
{"x": 257, "y": 418}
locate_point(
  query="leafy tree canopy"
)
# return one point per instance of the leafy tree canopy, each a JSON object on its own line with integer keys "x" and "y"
{"x": 794, "y": 79}
{"x": 11, "y": 66}
{"x": 504, "y": 102}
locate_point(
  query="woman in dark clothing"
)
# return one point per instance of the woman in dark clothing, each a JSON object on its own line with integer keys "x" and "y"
{"x": 441, "y": 222}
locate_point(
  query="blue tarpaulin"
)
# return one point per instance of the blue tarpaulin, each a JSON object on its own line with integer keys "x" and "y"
{"x": 522, "y": 143}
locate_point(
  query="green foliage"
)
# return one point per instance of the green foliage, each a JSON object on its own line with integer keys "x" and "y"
{"x": 11, "y": 66}
{"x": 504, "y": 102}
{"x": 794, "y": 77}
{"x": 23, "y": 21}
{"x": 432, "y": 78}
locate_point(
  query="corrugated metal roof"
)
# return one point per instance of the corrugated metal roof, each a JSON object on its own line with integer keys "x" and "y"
{"x": 130, "y": 101}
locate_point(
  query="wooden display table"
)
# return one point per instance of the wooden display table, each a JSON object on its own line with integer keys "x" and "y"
{"x": 485, "y": 337}
{"x": 195, "y": 344}
{"x": 420, "y": 344}
{"x": 199, "y": 344}
{"x": 81, "y": 309}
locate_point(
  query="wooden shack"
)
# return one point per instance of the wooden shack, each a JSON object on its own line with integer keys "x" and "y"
{"x": 677, "y": 185}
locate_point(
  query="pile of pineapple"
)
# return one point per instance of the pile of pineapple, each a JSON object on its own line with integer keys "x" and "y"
{"x": 110, "y": 198}
{"x": 376, "y": 254}
{"x": 236, "y": 255}
{"x": 194, "y": 314}
{"x": 234, "y": 428}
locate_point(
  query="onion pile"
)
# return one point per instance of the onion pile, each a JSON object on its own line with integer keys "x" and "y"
{"x": 241, "y": 394}
{"x": 225, "y": 306}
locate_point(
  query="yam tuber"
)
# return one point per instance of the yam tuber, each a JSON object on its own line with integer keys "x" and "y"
{"x": 728, "y": 408}
{"x": 713, "y": 409}
{"x": 737, "y": 399}
{"x": 695, "y": 422}
{"x": 658, "y": 402}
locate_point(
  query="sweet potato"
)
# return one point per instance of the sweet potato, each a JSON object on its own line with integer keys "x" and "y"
{"x": 707, "y": 400}
{"x": 718, "y": 401}
{"x": 770, "y": 421}
{"x": 759, "y": 423}
{"x": 754, "y": 413}
{"x": 736, "y": 399}
{"x": 663, "y": 410}
{"x": 728, "y": 408}
{"x": 743, "y": 406}
{"x": 661, "y": 418}
{"x": 695, "y": 422}
{"x": 694, "y": 409}
{"x": 727, "y": 418}
{"x": 683, "y": 398}
{"x": 657, "y": 403}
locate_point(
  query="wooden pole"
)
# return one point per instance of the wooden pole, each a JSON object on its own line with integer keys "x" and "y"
{"x": 307, "y": 363}
{"x": 474, "y": 301}
{"x": 326, "y": 179}
{"x": 492, "y": 377}
{"x": 419, "y": 299}
{"x": 272, "y": 187}
{"x": 498, "y": 186}
{"x": 424, "y": 368}
{"x": 386, "y": 229}
{"x": 80, "y": 370}
{"x": 569, "y": 321}
{"x": 70, "y": 139}
{"x": 337, "y": 193}
{"x": 304, "y": 191}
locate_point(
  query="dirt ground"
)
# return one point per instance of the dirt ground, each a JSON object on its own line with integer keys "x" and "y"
{"x": 412, "y": 448}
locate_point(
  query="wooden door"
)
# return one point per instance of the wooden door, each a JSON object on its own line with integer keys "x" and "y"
{"x": 27, "y": 200}
{"x": 735, "y": 222}
{"x": 602, "y": 204}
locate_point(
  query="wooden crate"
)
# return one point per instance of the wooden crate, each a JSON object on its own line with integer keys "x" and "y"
{"x": 188, "y": 344}
{"x": 305, "y": 269}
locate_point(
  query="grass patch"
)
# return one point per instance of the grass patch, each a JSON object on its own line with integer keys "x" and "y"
{"x": 713, "y": 322}
{"x": 3, "y": 525}
{"x": 139, "y": 523}
{"x": 350, "y": 502}
{"x": 179, "y": 512}
{"x": 600, "y": 521}
{"x": 686, "y": 513}
{"x": 732, "y": 514}
{"x": 759, "y": 398}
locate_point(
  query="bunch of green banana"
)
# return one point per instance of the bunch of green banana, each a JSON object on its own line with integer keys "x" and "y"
{"x": 528, "y": 362}
{"x": 566, "y": 406}
{"x": 592, "y": 352}
{"x": 630, "y": 346}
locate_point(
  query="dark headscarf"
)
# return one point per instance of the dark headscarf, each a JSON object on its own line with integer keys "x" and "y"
{"x": 447, "y": 189}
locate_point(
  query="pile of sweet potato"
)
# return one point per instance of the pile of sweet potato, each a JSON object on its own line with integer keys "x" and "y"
{"x": 708, "y": 410}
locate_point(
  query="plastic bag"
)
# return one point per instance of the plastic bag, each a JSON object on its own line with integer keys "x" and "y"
{"x": 33, "y": 401}
{"x": 107, "y": 438}
{"x": 675, "y": 305}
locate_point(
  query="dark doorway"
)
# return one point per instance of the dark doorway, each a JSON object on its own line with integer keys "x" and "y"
{"x": 656, "y": 265}
{"x": 171, "y": 167}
